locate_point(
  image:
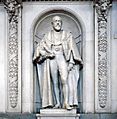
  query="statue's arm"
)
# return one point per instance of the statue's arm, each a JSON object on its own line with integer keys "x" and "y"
{"x": 73, "y": 51}
{"x": 71, "y": 62}
{"x": 39, "y": 51}
{"x": 43, "y": 50}
{"x": 36, "y": 54}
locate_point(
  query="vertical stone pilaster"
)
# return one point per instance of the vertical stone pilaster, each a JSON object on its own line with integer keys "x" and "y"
{"x": 13, "y": 9}
{"x": 102, "y": 84}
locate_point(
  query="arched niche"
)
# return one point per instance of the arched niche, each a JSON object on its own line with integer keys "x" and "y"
{"x": 43, "y": 24}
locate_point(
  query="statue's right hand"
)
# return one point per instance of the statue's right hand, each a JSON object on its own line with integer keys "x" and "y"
{"x": 50, "y": 55}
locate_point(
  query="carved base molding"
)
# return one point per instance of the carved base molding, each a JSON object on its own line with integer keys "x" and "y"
{"x": 82, "y": 116}
{"x": 57, "y": 113}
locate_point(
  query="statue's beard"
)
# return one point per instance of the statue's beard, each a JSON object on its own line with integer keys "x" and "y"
{"x": 57, "y": 27}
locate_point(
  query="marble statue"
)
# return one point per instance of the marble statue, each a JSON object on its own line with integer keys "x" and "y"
{"x": 58, "y": 53}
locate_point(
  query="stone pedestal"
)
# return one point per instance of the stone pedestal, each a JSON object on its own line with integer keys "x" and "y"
{"x": 58, "y": 114}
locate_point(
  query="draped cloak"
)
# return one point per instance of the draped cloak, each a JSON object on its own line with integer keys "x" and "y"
{"x": 69, "y": 46}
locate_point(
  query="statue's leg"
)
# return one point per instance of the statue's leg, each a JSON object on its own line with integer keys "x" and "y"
{"x": 75, "y": 96}
{"x": 75, "y": 88}
{"x": 62, "y": 65}
{"x": 54, "y": 75}
{"x": 71, "y": 87}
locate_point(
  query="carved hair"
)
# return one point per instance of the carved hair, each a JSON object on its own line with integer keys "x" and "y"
{"x": 53, "y": 18}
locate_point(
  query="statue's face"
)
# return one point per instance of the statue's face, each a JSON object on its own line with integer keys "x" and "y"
{"x": 104, "y": 6}
{"x": 57, "y": 23}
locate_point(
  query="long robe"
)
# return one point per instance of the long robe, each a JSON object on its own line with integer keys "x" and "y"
{"x": 69, "y": 46}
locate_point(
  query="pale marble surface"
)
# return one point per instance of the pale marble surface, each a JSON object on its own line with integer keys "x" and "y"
{"x": 3, "y": 59}
{"x": 31, "y": 12}
{"x": 84, "y": 12}
{"x": 114, "y": 57}
{"x": 57, "y": 113}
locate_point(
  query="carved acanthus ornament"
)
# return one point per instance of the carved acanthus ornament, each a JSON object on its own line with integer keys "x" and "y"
{"x": 102, "y": 7}
{"x": 12, "y": 8}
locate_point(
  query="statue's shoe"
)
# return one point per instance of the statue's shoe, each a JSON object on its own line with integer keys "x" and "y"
{"x": 67, "y": 106}
{"x": 57, "y": 106}
{"x": 75, "y": 106}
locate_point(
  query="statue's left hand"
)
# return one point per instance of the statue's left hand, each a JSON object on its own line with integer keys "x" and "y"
{"x": 50, "y": 55}
{"x": 70, "y": 66}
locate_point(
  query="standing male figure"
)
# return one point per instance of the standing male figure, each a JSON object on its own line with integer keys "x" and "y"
{"x": 59, "y": 53}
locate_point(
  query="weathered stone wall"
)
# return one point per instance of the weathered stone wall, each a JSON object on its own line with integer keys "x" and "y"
{"x": 113, "y": 29}
{"x": 3, "y": 59}
{"x": 87, "y": 17}
{"x": 82, "y": 11}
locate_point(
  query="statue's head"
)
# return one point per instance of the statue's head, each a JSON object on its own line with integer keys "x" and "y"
{"x": 57, "y": 23}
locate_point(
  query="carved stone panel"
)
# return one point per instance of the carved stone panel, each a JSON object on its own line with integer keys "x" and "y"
{"x": 13, "y": 10}
{"x": 103, "y": 81}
